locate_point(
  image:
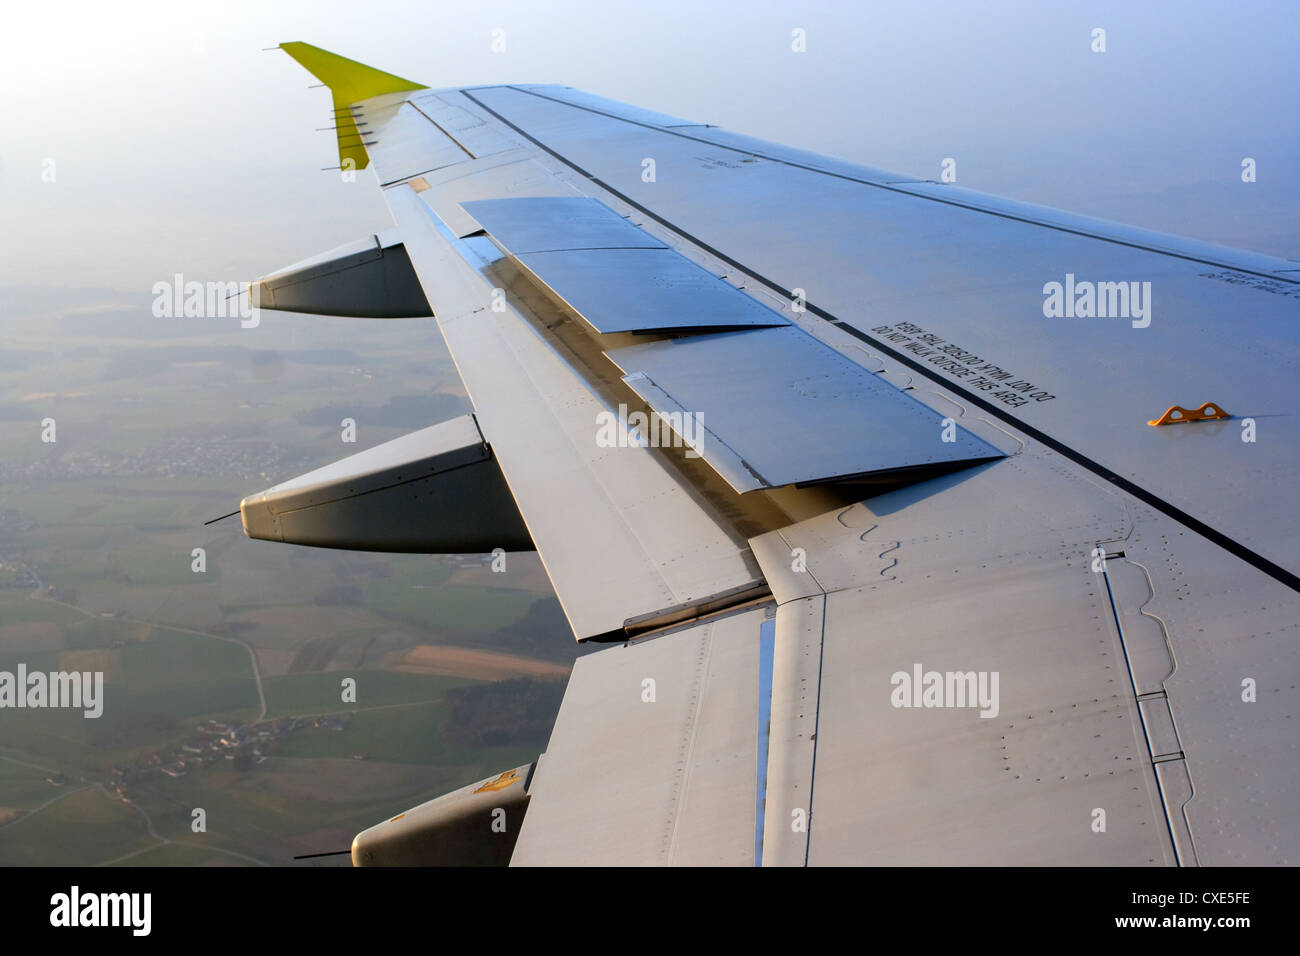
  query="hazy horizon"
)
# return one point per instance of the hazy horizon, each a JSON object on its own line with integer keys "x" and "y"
{"x": 179, "y": 145}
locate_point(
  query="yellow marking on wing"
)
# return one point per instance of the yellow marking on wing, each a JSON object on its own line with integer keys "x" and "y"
{"x": 509, "y": 778}
{"x": 1176, "y": 414}
{"x": 349, "y": 82}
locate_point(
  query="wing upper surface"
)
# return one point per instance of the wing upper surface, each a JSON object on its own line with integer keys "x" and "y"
{"x": 1124, "y": 582}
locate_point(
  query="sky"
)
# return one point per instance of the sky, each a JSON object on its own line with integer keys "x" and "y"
{"x": 143, "y": 139}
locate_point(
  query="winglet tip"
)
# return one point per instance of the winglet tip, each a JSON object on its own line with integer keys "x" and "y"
{"x": 347, "y": 78}
{"x": 349, "y": 82}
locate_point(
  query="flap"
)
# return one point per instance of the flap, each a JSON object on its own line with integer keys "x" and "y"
{"x": 776, "y": 407}
{"x": 615, "y": 275}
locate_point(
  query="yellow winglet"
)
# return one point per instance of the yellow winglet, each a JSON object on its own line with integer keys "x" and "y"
{"x": 349, "y": 82}
{"x": 1176, "y": 414}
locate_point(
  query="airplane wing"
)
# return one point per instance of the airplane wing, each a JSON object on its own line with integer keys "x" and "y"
{"x": 924, "y": 527}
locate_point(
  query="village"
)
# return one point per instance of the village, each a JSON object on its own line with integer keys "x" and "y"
{"x": 245, "y": 745}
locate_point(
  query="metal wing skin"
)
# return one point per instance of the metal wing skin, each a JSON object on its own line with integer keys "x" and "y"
{"x": 861, "y": 478}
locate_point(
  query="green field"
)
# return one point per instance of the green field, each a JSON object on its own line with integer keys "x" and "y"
{"x": 17, "y": 608}
{"x": 161, "y": 428}
{"x": 23, "y": 786}
{"x": 401, "y": 734}
{"x": 299, "y": 695}
{"x": 178, "y": 854}
{"x": 184, "y": 675}
{"x": 480, "y": 610}
{"x": 84, "y": 827}
{"x": 155, "y": 691}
